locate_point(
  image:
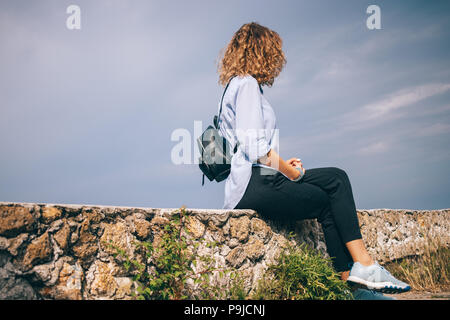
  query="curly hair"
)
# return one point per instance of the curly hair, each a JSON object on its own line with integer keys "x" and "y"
{"x": 254, "y": 50}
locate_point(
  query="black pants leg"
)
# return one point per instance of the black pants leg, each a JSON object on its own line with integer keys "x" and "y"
{"x": 324, "y": 194}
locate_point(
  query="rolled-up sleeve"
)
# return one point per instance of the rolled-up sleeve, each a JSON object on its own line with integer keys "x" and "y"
{"x": 250, "y": 129}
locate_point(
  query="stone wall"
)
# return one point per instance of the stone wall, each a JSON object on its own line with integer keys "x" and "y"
{"x": 55, "y": 251}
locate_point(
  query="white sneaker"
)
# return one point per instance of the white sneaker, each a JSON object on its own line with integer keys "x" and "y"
{"x": 375, "y": 277}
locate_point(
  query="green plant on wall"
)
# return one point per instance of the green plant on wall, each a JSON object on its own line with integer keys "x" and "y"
{"x": 301, "y": 273}
{"x": 172, "y": 262}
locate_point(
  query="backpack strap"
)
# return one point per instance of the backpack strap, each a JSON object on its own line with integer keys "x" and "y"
{"x": 216, "y": 118}
{"x": 216, "y": 121}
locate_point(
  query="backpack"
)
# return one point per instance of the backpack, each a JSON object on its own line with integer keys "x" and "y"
{"x": 215, "y": 159}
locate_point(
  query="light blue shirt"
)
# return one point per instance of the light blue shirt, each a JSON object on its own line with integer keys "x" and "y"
{"x": 246, "y": 117}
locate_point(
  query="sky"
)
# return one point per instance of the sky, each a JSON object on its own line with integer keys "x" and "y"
{"x": 86, "y": 116}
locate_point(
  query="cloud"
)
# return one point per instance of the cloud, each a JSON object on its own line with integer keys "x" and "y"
{"x": 374, "y": 148}
{"x": 384, "y": 109}
{"x": 400, "y": 99}
{"x": 376, "y": 114}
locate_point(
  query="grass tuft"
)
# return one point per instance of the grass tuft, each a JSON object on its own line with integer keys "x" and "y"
{"x": 429, "y": 271}
{"x": 301, "y": 273}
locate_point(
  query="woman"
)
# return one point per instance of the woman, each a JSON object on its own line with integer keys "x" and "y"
{"x": 283, "y": 190}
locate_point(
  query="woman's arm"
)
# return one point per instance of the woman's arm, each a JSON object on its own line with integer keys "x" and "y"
{"x": 272, "y": 159}
{"x": 250, "y": 130}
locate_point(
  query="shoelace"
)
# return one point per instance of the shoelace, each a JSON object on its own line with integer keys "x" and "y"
{"x": 388, "y": 274}
{"x": 382, "y": 268}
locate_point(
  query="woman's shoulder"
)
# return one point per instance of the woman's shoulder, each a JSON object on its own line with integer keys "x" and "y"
{"x": 241, "y": 83}
{"x": 244, "y": 79}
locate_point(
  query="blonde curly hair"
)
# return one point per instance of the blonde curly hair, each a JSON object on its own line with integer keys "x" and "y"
{"x": 254, "y": 50}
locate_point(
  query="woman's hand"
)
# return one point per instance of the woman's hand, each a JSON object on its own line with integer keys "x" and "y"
{"x": 288, "y": 168}
{"x": 296, "y": 163}
{"x": 293, "y": 161}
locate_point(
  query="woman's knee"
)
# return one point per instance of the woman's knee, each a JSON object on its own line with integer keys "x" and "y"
{"x": 340, "y": 173}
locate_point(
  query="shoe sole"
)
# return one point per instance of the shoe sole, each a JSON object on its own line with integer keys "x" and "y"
{"x": 385, "y": 287}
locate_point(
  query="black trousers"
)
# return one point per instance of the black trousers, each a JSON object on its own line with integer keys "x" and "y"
{"x": 324, "y": 194}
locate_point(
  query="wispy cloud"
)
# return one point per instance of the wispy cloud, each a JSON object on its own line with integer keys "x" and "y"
{"x": 374, "y": 148}
{"x": 400, "y": 99}
{"x": 384, "y": 109}
{"x": 376, "y": 114}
